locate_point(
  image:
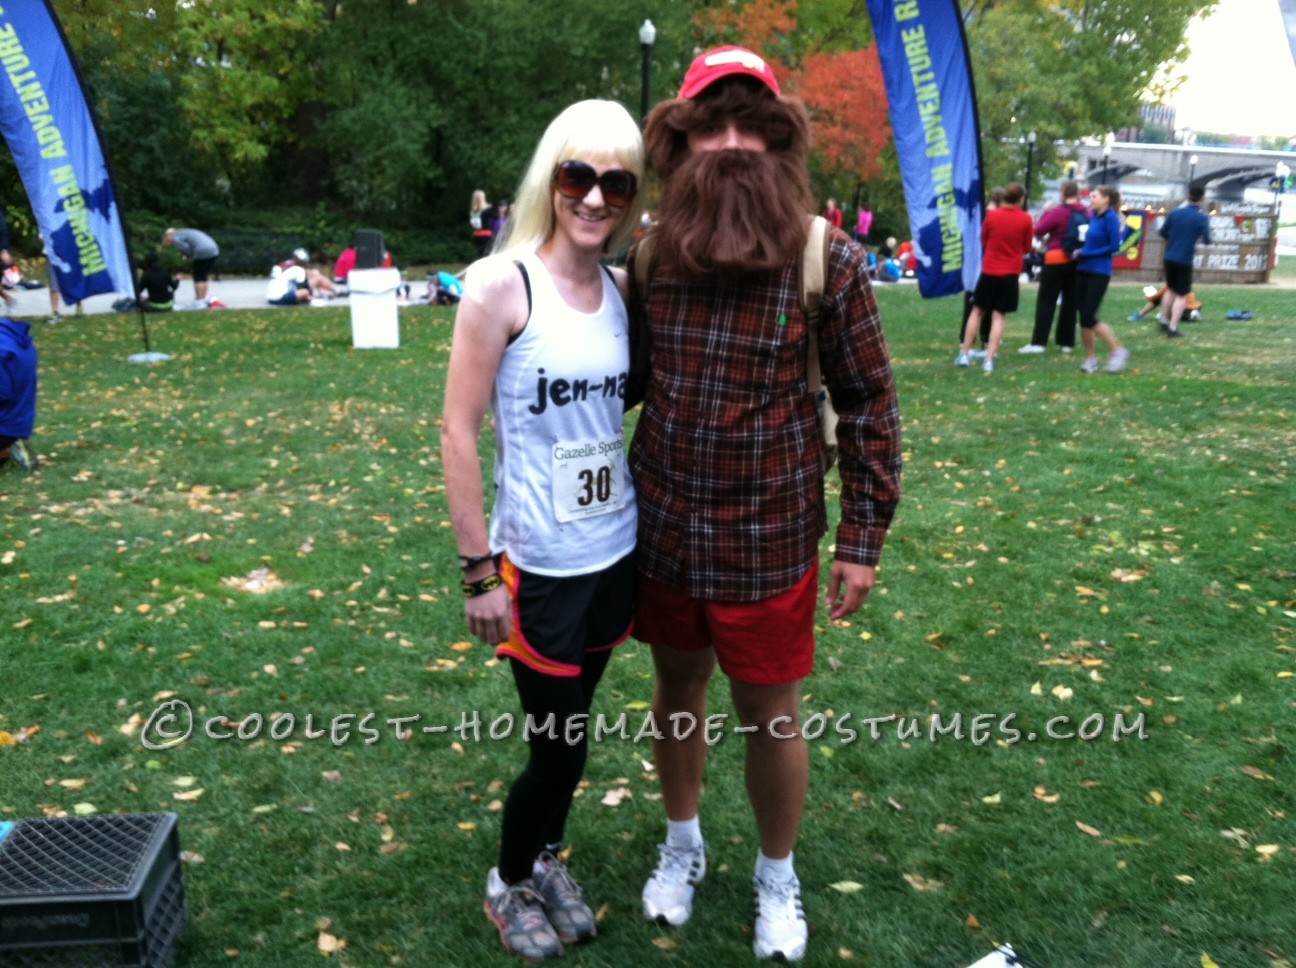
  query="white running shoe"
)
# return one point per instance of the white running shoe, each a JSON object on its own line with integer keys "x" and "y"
{"x": 668, "y": 895}
{"x": 1090, "y": 365}
{"x": 988, "y": 366}
{"x": 1031, "y": 348}
{"x": 1118, "y": 360}
{"x": 961, "y": 360}
{"x": 780, "y": 921}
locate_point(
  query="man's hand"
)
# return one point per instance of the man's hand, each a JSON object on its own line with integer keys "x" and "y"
{"x": 848, "y": 588}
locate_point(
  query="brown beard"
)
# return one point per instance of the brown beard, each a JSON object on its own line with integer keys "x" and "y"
{"x": 729, "y": 212}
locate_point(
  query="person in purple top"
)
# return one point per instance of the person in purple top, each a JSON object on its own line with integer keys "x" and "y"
{"x": 1181, "y": 230}
{"x": 1093, "y": 275}
{"x": 1058, "y": 276}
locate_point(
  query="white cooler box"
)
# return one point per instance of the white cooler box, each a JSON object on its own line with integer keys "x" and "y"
{"x": 374, "y": 323}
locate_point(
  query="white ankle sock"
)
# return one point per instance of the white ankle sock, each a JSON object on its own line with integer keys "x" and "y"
{"x": 684, "y": 833}
{"x": 774, "y": 870}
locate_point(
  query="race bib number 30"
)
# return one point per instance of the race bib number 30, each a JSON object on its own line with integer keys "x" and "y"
{"x": 588, "y": 478}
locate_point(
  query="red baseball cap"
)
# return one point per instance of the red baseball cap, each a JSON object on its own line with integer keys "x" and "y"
{"x": 720, "y": 62}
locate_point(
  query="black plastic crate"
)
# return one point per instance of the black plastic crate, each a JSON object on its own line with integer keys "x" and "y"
{"x": 91, "y": 892}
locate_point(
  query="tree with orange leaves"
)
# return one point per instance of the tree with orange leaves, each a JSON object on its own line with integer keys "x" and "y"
{"x": 843, "y": 90}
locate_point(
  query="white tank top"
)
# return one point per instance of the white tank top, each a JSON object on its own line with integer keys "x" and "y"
{"x": 564, "y": 503}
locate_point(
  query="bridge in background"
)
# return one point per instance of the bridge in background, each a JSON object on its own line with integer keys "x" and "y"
{"x": 1225, "y": 173}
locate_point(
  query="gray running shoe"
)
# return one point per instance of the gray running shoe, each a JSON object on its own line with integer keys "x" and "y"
{"x": 564, "y": 902}
{"x": 518, "y": 913}
{"x": 23, "y": 455}
{"x": 1119, "y": 359}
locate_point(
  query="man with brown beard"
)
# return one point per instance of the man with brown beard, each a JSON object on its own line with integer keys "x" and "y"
{"x": 727, "y": 467}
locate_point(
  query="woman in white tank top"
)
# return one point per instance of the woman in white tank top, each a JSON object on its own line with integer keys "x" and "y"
{"x": 542, "y": 341}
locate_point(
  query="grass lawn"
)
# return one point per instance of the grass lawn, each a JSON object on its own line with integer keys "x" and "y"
{"x": 258, "y": 528}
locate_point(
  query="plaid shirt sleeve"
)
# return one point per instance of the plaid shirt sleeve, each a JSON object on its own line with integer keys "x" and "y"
{"x": 857, "y": 369}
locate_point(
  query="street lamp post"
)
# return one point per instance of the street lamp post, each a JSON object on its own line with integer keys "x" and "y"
{"x": 1030, "y": 158}
{"x": 1192, "y": 170}
{"x": 647, "y": 35}
{"x": 1106, "y": 159}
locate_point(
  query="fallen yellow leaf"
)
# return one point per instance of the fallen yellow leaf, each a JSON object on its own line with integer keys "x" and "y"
{"x": 328, "y": 944}
{"x": 920, "y": 883}
{"x": 615, "y": 796}
{"x": 1084, "y": 828}
{"x": 847, "y": 887}
{"x": 187, "y": 796}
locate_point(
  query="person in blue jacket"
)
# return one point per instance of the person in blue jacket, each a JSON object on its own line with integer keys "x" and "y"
{"x": 17, "y": 393}
{"x": 1093, "y": 275}
{"x": 1181, "y": 230}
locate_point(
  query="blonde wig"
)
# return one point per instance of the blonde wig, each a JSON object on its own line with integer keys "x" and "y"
{"x": 601, "y": 132}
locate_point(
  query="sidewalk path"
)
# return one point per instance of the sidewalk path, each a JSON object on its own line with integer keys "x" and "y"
{"x": 234, "y": 293}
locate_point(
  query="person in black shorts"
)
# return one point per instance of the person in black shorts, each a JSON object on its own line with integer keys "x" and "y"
{"x": 202, "y": 249}
{"x": 1181, "y": 230}
{"x": 1007, "y": 235}
{"x": 551, "y": 581}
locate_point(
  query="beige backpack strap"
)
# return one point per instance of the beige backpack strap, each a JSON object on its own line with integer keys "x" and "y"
{"x": 810, "y": 285}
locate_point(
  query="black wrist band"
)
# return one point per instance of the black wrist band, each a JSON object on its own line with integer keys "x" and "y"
{"x": 472, "y": 589}
{"x": 472, "y": 561}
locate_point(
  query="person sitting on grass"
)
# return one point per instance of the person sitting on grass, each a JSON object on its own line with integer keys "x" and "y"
{"x": 1156, "y": 300}
{"x": 17, "y": 393}
{"x": 444, "y": 289}
{"x": 287, "y": 286}
{"x": 156, "y": 289}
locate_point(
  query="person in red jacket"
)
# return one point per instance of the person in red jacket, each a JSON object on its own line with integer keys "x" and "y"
{"x": 833, "y": 214}
{"x": 1007, "y": 235}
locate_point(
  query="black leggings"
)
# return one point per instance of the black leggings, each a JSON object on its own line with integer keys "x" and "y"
{"x": 1090, "y": 289}
{"x": 535, "y": 814}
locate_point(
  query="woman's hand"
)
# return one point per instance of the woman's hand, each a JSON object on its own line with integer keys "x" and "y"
{"x": 490, "y": 614}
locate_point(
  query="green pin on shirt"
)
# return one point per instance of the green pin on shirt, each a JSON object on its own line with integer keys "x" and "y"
{"x": 782, "y": 319}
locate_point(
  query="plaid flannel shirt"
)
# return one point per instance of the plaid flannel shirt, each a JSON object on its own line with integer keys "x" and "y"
{"x": 726, "y": 453}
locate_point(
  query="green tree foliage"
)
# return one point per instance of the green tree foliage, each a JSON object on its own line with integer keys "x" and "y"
{"x": 393, "y": 111}
{"x": 244, "y": 72}
{"x": 1066, "y": 68}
